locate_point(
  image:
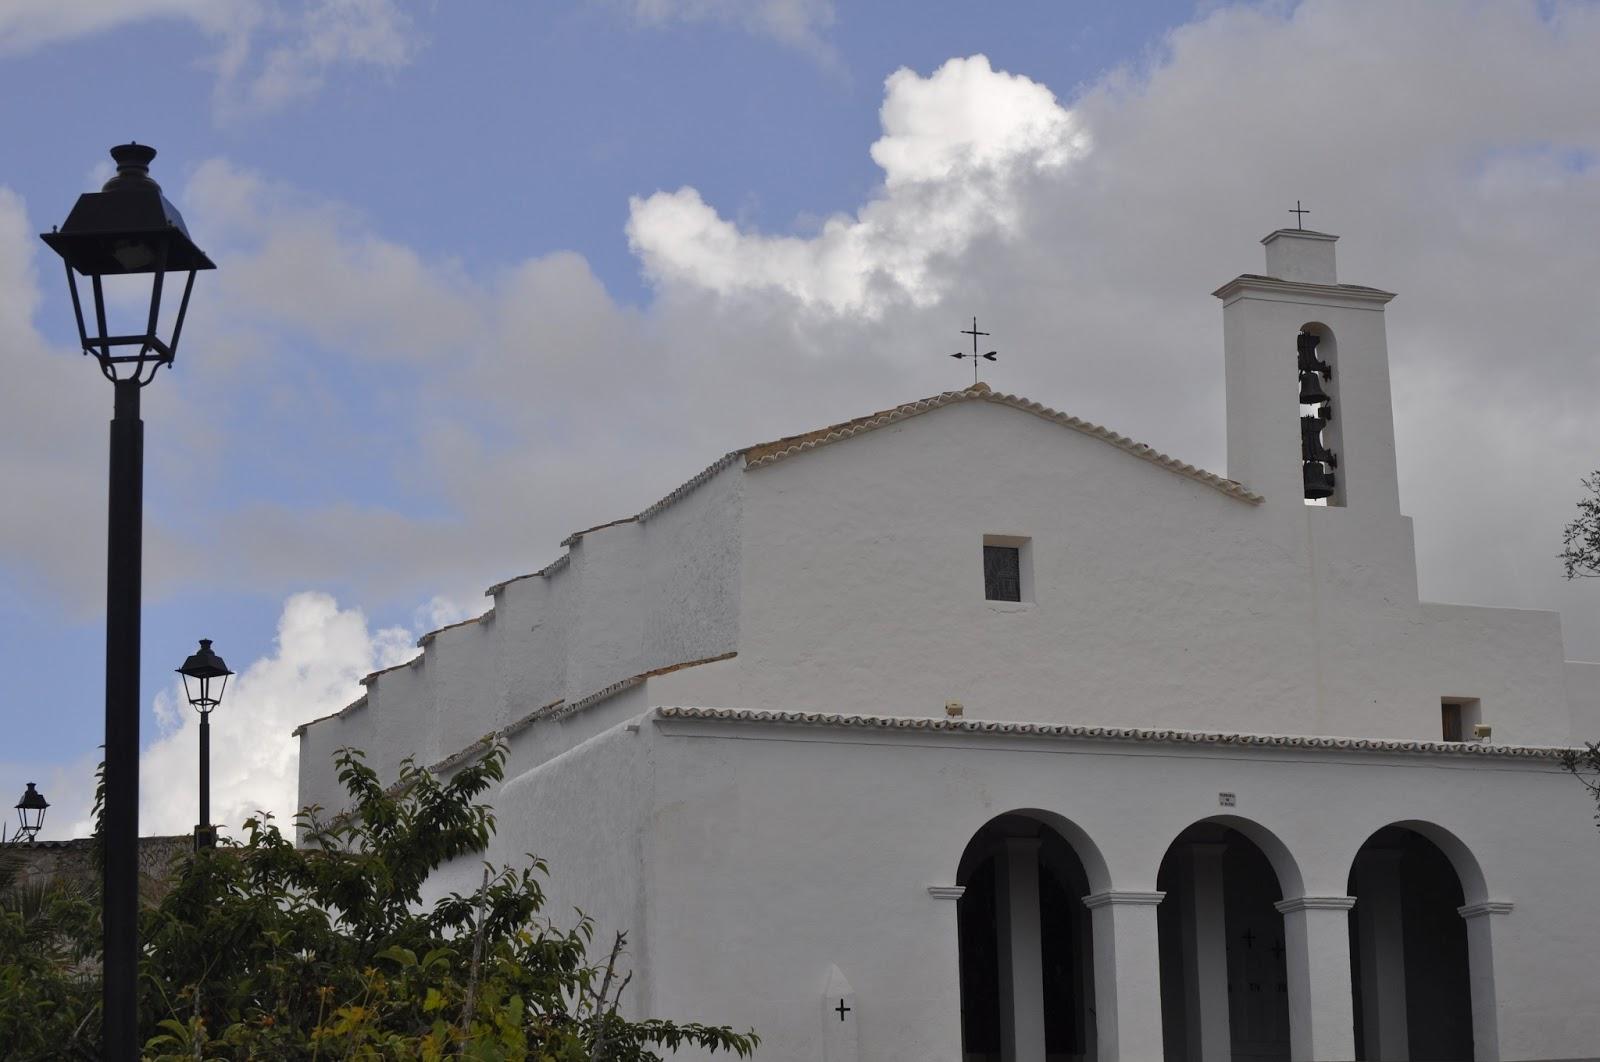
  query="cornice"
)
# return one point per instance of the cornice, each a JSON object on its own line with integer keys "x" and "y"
{"x": 1123, "y": 899}
{"x": 1487, "y": 907}
{"x": 1255, "y": 282}
{"x": 1315, "y": 903}
{"x": 1070, "y": 732}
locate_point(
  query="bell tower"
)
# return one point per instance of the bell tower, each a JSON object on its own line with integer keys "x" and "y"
{"x": 1307, "y": 369}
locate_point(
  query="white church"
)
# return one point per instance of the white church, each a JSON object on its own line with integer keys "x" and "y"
{"x": 973, "y": 731}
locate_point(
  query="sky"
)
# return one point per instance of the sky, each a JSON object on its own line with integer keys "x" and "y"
{"x": 488, "y": 274}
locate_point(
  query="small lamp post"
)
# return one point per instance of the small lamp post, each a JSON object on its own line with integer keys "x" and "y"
{"x": 127, "y": 230}
{"x": 200, "y": 674}
{"x": 30, "y": 813}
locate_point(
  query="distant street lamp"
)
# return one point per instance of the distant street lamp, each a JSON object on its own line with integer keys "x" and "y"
{"x": 199, "y": 672}
{"x": 127, "y": 230}
{"x": 30, "y": 813}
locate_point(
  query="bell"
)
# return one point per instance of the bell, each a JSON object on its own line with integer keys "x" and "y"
{"x": 1311, "y": 392}
{"x": 1306, "y": 348}
{"x": 1318, "y": 480}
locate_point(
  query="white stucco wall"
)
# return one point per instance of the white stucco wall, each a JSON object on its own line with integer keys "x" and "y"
{"x": 763, "y": 877}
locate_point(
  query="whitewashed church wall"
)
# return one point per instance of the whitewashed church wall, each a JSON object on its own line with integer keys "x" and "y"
{"x": 404, "y": 722}
{"x": 607, "y": 626}
{"x": 585, "y": 812}
{"x": 465, "y": 683}
{"x": 1509, "y": 660}
{"x": 690, "y": 595}
{"x": 743, "y": 926}
{"x": 1583, "y": 700}
{"x": 319, "y": 782}
{"x": 1157, "y": 601}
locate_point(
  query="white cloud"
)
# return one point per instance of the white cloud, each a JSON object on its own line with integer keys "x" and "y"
{"x": 957, "y": 152}
{"x": 322, "y": 651}
{"x": 269, "y": 53}
{"x": 332, "y": 33}
{"x": 800, "y": 24}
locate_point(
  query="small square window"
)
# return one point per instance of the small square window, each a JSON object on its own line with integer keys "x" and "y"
{"x": 1458, "y": 717}
{"x": 1002, "y": 573}
{"x": 1451, "y": 714}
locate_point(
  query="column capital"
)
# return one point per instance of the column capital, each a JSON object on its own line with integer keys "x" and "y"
{"x": 1487, "y": 907}
{"x": 1123, "y": 898}
{"x": 946, "y": 892}
{"x": 1315, "y": 903}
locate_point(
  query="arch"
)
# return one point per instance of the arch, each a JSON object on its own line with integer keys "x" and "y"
{"x": 1290, "y": 881}
{"x": 1025, "y": 940}
{"x": 1419, "y": 987}
{"x": 1082, "y": 845}
{"x": 1474, "y": 888}
{"x": 1224, "y": 947}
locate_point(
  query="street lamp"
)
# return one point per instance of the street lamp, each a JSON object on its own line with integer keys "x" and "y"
{"x": 127, "y": 229}
{"x": 199, "y": 672}
{"x": 30, "y": 813}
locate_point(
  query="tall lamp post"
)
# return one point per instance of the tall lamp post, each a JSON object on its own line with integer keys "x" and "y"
{"x": 199, "y": 672}
{"x": 127, "y": 229}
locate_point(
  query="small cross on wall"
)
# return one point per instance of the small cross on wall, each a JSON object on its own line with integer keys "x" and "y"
{"x": 843, "y": 1010}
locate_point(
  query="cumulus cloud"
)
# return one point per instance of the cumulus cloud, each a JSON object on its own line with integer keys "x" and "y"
{"x": 321, "y": 652}
{"x": 269, "y": 53}
{"x": 957, "y": 150}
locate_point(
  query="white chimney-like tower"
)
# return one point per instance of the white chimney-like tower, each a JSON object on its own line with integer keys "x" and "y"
{"x": 1262, "y": 316}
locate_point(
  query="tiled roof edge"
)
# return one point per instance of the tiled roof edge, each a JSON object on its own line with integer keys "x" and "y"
{"x": 981, "y": 392}
{"x": 1119, "y": 734}
{"x": 358, "y": 703}
{"x": 422, "y": 642}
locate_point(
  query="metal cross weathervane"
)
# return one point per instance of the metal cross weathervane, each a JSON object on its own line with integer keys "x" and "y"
{"x": 990, "y": 356}
{"x": 1299, "y": 215}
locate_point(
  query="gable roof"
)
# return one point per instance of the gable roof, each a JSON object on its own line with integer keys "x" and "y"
{"x": 763, "y": 454}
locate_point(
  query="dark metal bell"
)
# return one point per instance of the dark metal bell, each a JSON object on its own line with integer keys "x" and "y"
{"x": 1311, "y": 392}
{"x": 1318, "y": 480}
{"x": 1306, "y": 349}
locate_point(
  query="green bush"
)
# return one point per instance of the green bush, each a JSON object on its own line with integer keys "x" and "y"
{"x": 266, "y": 950}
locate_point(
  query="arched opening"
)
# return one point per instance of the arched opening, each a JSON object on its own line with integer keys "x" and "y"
{"x": 1027, "y": 958}
{"x": 1409, "y": 959}
{"x": 1321, "y": 427}
{"x": 1224, "y": 982}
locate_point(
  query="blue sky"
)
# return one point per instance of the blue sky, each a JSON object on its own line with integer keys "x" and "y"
{"x": 492, "y": 273}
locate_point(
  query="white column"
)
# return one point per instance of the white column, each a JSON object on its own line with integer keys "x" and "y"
{"x": 1484, "y": 923}
{"x": 1383, "y": 962}
{"x": 1021, "y": 953}
{"x": 1205, "y": 956}
{"x": 1316, "y": 936}
{"x": 1127, "y": 975}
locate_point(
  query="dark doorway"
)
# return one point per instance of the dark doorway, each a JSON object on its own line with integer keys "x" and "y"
{"x": 1224, "y": 983}
{"x": 1065, "y": 948}
{"x": 1408, "y": 952}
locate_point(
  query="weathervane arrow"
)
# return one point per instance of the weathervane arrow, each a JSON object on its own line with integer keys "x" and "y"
{"x": 992, "y": 355}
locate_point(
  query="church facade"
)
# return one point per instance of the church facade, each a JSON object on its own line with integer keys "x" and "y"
{"x": 971, "y": 730}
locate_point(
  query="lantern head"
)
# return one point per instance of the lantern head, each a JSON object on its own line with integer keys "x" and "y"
{"x": 128, "y": 228}
{"x": 200, "y": 674}
{"x": 30, "y": 812}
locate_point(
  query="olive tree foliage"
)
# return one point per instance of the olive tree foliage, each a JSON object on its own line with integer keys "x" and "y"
{"x": 261, "y": 949}
{"x": 1580, "y": 541}
{"x": 1580, "y": 556}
